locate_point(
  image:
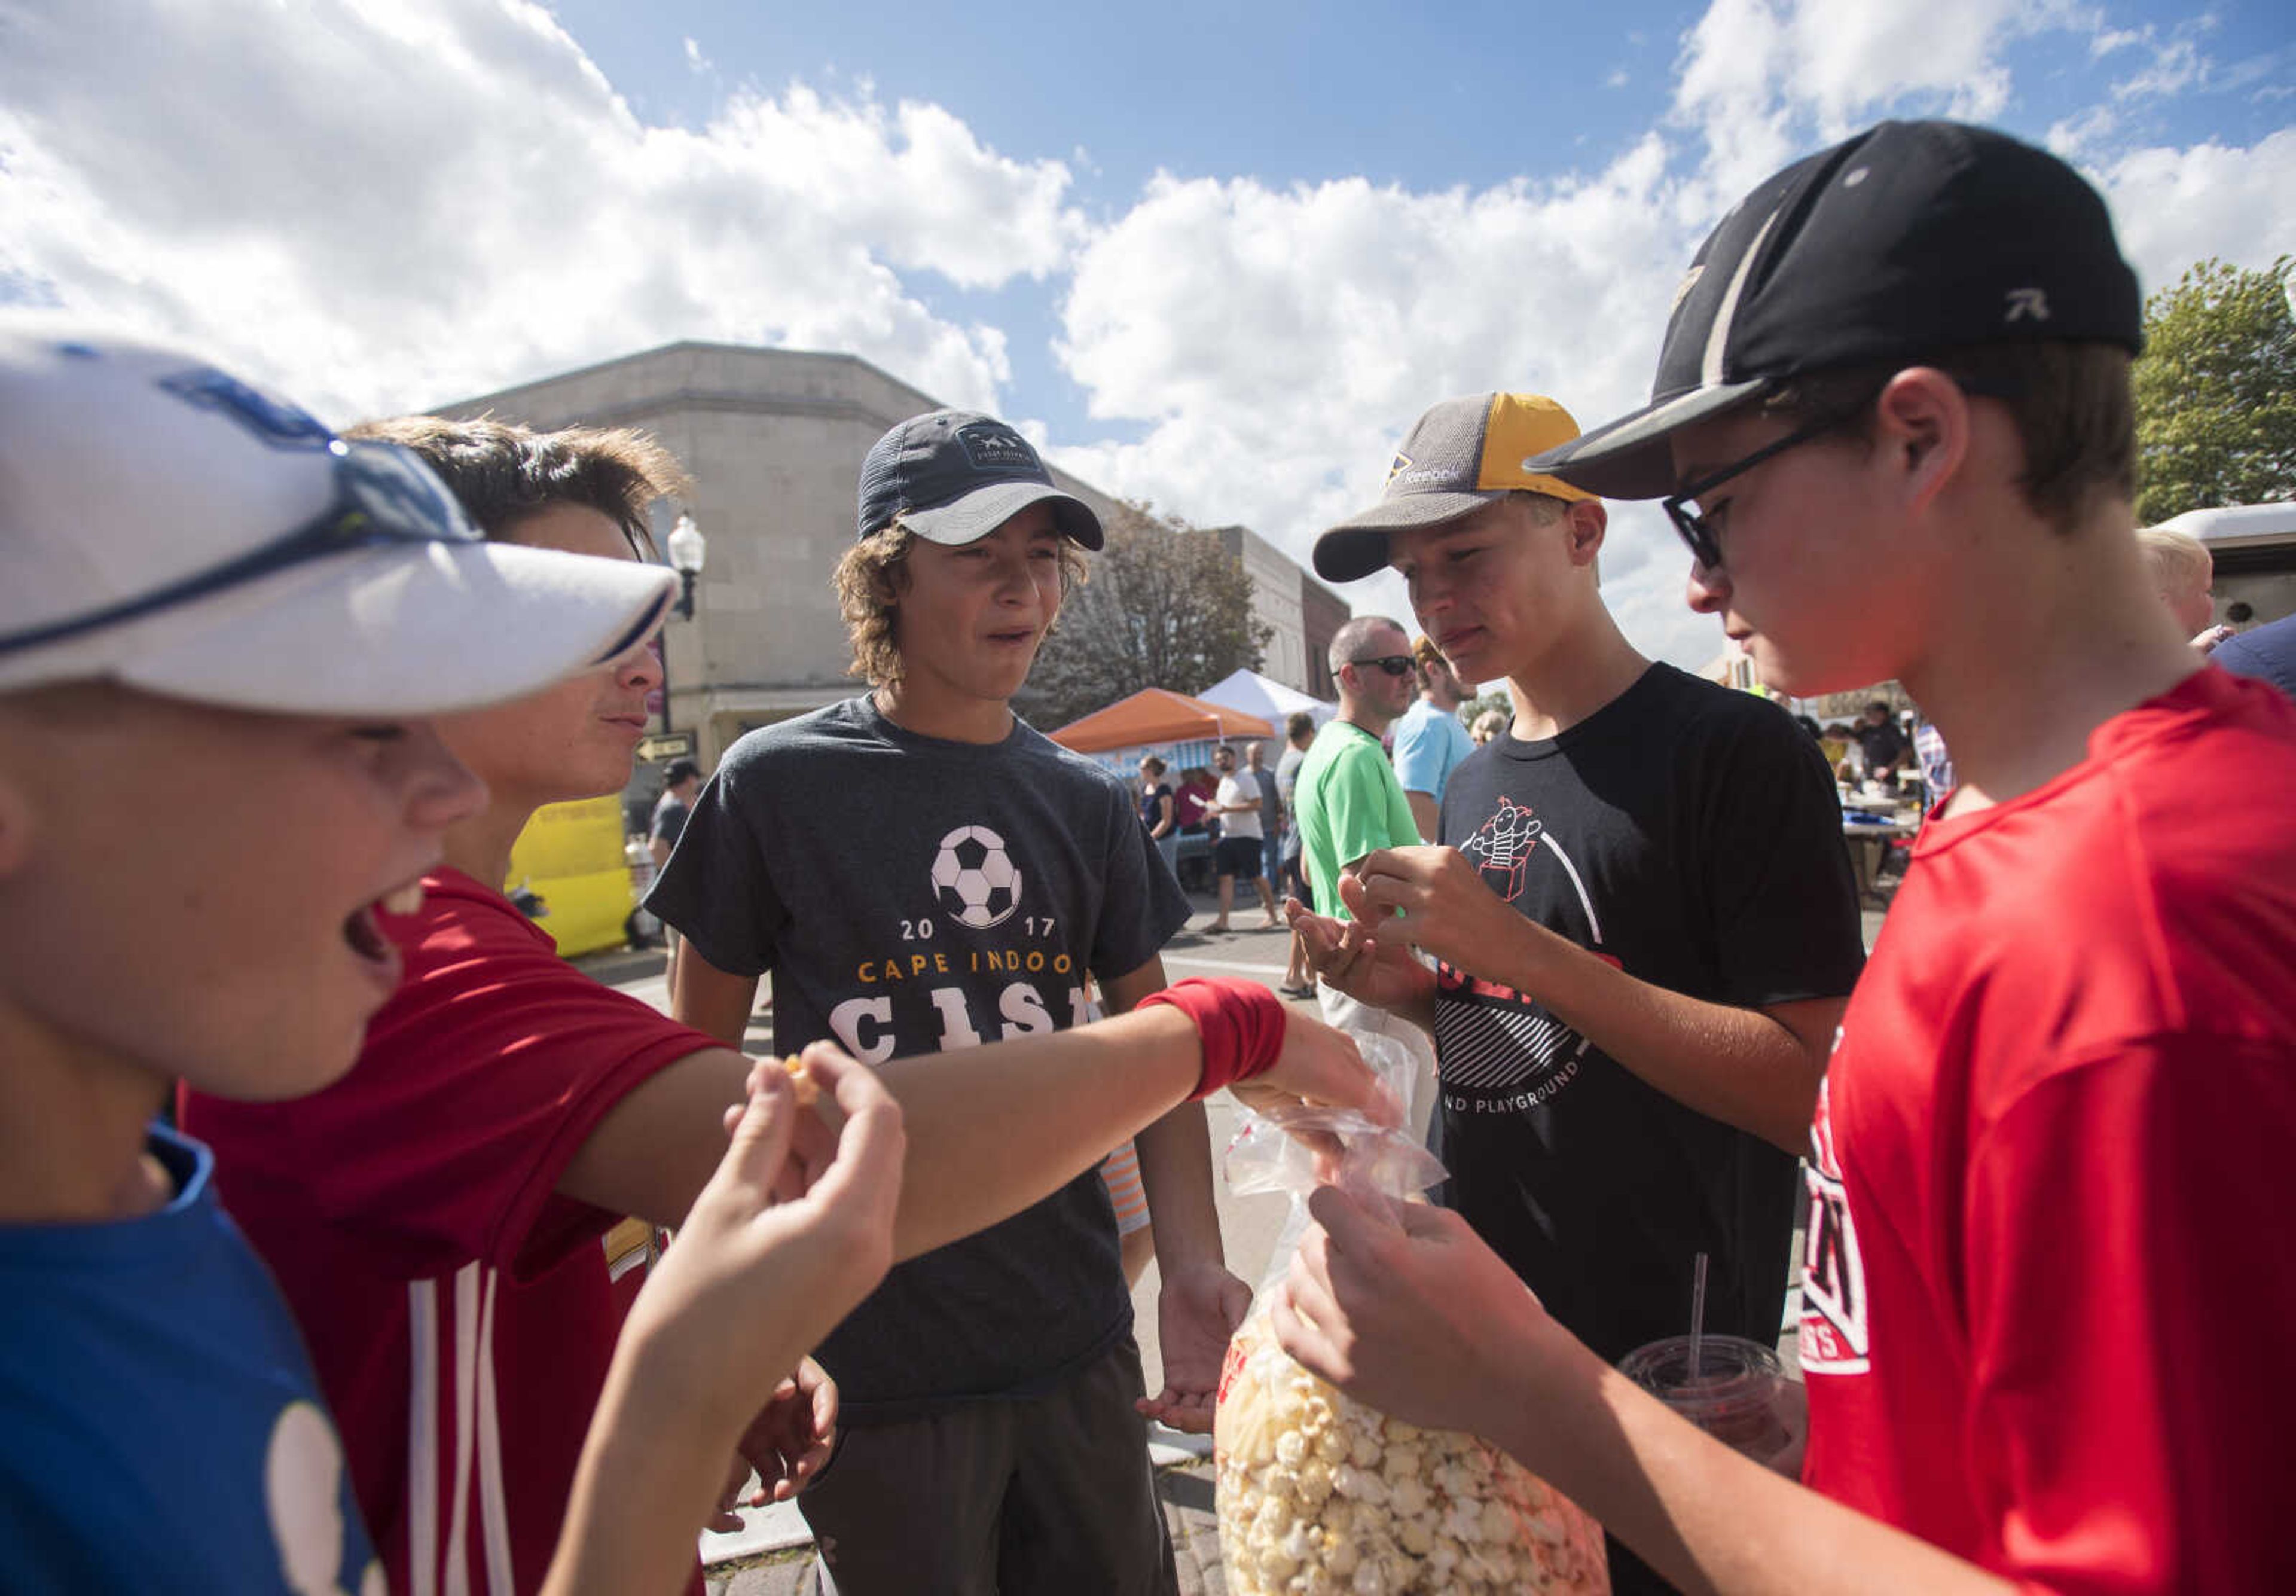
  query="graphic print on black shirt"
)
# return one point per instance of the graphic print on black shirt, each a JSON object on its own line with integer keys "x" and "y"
{"x": 1491, "y": 1038}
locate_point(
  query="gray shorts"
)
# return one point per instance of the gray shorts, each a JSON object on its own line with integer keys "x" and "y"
{"x": 1048, "y": 1496}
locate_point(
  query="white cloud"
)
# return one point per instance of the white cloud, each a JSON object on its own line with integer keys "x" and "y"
{"x": 2175, "y": 67}
{"x": 2174, "y": 206}
{"x": 2170, "y": 70}
{"x": 399, "y": 202}
{"x": 1765, "y": 79}
{"x": 2084, "y": 129}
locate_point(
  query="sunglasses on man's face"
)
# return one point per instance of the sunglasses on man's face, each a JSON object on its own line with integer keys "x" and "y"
{"x": 1394, "y": 664}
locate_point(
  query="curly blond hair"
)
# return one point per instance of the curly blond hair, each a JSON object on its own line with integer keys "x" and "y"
{"x": 870, "y": 580}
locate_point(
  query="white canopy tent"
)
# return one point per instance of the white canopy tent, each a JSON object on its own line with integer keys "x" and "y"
{"x": 1271, "y": 701}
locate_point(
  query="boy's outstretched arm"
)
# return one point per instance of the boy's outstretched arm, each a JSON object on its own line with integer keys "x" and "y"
{"x": 1411, "y": 1313}
{"x": 1049, "y": 1106}
{"x": 1199, "y": 1303}
{"x": 793, "y": 1230}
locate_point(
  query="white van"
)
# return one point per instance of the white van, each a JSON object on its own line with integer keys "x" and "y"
{"x": 2254, "y": 547}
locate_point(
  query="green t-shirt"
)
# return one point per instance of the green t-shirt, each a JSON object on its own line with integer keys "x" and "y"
{"x": 1348, "y": 804}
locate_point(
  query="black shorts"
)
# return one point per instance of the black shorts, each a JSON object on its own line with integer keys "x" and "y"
{"x": 1240, "y": 856}
{"x": 1049, "y": 1496}
{"x": 1295, "y": 882}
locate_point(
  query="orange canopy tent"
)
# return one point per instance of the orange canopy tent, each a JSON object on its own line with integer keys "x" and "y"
{"x": 1154, "y": 715}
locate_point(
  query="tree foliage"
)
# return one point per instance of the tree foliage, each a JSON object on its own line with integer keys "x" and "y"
{"x": 1166, "y": 606}
{"x": 2216, "y": 392}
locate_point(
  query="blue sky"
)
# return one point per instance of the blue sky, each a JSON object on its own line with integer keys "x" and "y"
{"x": 1216, "y": 257}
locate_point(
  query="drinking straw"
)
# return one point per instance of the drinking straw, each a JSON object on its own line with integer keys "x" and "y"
{"x": 1697, "y": 1314}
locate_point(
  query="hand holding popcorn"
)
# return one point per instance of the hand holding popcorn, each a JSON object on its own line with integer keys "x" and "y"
{"x": 1318, "y": 1493}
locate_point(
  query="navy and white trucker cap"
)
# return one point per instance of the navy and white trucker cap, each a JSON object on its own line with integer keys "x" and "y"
{"x": 955, "y": 476}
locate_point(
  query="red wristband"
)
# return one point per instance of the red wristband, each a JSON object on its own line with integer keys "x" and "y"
{"x": 1240, "y": 1022}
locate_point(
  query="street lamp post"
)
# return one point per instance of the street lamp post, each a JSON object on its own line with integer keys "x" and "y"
{"x": 687, "y": 550}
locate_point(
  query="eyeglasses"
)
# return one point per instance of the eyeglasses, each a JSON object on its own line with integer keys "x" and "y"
{"x": 383, "y": 495}
{"x": 1394, "y": 664}
{"x": 1698, "y": 532}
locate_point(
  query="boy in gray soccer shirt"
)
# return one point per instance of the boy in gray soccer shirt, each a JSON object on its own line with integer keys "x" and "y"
{"x": 922, "y": 871}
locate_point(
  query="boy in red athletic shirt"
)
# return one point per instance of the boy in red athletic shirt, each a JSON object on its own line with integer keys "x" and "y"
{"x": 446, "y": 1219}
{"x": 2059, "y": 1110}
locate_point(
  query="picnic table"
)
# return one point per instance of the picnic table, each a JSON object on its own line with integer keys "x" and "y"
{"x": 1869, "y": 831}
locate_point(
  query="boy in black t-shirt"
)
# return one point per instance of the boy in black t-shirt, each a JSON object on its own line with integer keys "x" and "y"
{"x": 923, "y": 872}
{"x": 1642, "y": 919}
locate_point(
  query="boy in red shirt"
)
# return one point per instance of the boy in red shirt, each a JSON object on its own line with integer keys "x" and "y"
{"x": 447, "y": 1219}
{"x": 2063, "y": 1092}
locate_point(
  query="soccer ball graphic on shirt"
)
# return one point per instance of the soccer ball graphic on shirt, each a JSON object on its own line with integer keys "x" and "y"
{"x": 975, "y": 880}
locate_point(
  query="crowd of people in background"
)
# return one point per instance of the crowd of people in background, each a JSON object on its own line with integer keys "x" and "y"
{"x": 440, "y": 1342}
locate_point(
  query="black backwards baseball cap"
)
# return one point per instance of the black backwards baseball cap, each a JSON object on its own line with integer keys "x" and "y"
{"x": 1456, "y": 459}
{"x": 1910, "y": 238}
{"x": 953, "y": 476}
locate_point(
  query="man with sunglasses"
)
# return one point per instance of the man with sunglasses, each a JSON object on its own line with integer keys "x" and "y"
{"x": 1642, "y": 920}
{"x": 2054, "y": 1135}
{"x": 1346, "y": 802}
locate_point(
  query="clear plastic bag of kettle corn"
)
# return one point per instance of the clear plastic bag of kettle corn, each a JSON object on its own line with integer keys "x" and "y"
{"x": 1319, "y": 1495}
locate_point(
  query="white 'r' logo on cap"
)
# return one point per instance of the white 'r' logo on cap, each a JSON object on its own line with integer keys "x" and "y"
{"x": 2027, "y": 301}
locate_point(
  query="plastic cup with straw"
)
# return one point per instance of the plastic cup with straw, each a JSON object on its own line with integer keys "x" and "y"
{"x": 1728, "y": 1386}
{"x": 1697, "y": 1318}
